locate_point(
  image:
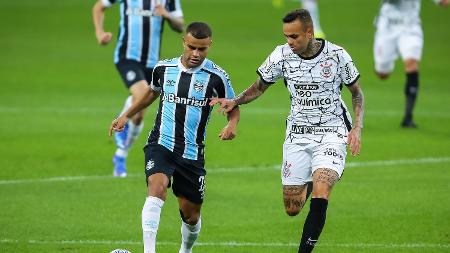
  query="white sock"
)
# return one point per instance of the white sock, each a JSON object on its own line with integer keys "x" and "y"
{"x": 189, "y": 234}
{"x": 151, "y": 213}
{"x": 133, "y": 132}
{"x": 127, "y": 105}
{"x": 311, "y": 6}
{"x": 121, "y": 152}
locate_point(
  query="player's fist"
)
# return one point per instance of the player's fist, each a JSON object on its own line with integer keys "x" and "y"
{"x": 103, "y": 38}
{"x": 444, "y": 3}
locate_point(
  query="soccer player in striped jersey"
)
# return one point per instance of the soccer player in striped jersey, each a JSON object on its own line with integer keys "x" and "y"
{"x": 399, "y": 31}
{"x": 135, "y": 56}
{"x": 174, "y": 154}
{"x": 319, "y": 127}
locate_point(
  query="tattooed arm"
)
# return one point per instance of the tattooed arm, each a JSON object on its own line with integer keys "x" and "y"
{"x": 250, "y": 94}
{"x": 354, "y": 137}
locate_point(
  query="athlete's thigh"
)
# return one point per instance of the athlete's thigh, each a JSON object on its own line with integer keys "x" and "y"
{"x": 296, "y": 167}
{"x": 158, "y": 160}
{"x": 189, "y": 180}
{"x": 330, "y": 156}
{"x": 295, "y": 173}
{"x": 411, "y": 43}
{"x": 385, "y": 48}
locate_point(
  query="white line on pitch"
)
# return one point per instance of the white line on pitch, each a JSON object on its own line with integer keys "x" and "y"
{"x": 236, "y": 244}
{"x": 385, "y": 163}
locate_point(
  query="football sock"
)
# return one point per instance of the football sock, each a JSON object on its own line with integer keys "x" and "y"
{"x": 151, "y": 213}
{"x": 411, "y": 90}
{"x": 189, "y": 234}
{"x": 121, "y": 152}
{"x": 127, "y": 105}
{"x": 311, "y": 6}
{"x": 313, "y": 224}
{"x": 309, "y": 188}
{"x": 133, "y": 132}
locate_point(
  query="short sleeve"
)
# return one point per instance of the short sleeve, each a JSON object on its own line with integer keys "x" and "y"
{"x": 157, "y": 78}
{"x": 348, "y": 71}
{"x": 271, "y": 70}
{"x": 222, "y": 87}
{"x": 174, "y": 8}
{"x": 108, "y": 3}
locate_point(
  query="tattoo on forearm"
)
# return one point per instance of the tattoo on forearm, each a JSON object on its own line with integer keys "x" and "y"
{"x": 327, "y": 176}
{"x": 358, "y": 105}
{"x": 251, "y": 93}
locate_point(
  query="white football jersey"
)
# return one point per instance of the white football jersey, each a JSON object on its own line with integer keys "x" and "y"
{"x": 401, "y": 11}
{"x": 318, "y": 112}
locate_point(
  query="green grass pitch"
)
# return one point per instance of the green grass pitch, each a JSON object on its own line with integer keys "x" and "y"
{"x": 59, "y": 92}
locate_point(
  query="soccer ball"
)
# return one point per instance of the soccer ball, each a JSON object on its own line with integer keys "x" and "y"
{"x": 120, "y": 251}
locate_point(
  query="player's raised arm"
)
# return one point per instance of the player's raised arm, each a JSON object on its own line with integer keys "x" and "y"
{"x": 250, "y": 94}
{"x": 354, "y": 137}
{"x": 147, "y": 99}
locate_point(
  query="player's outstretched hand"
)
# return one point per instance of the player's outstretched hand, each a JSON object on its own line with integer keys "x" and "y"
{"x": 226, "y": 105}
{"x": 118, "y": 124}
{"x": 103, "y": 38}
{"x": 228, "y": 133}
{"x": 354, "y": 140}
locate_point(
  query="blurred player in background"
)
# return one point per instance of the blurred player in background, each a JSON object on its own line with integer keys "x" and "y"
{"x": 136, "y": 54}
{"x": 319, "y": 127}
{"x": 399, "y": 31}
{"x": 175, "y": 146}
{"x": 313, "y": 8}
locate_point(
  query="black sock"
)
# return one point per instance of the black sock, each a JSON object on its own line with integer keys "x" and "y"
{"x": 411, "y": 90}
{"x": 313, "y": 224}
{"x": 309, "y": 188}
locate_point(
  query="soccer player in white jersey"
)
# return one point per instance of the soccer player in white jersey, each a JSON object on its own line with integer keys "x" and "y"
{"x": 319, "y": 126}
{"x": 399, "y": 31}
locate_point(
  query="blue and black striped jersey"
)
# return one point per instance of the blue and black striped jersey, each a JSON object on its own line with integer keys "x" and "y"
{"x": 184, "y": 109}
{"x": 140, "y": 31}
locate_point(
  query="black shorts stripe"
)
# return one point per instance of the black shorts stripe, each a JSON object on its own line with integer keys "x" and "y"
{"x": 346, "y": 121}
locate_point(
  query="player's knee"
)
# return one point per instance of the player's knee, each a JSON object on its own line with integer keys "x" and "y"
{"x": 292, "y": 211}
{"x": 382, "y": 76}
{"x": 190, "y": 218}
{"x": 157, "y": 186}
{"x": 138, "y": 118}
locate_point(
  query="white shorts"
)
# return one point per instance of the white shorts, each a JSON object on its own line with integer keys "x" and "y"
{"x": 301, "y": 160}
{"x": 392, "y": 40}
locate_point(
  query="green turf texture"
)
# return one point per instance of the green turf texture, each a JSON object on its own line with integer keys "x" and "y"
{"x": 59, "y": 91}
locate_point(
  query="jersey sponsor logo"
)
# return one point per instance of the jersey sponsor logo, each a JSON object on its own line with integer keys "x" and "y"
{"x": 316, "y": 130}
{"x": 171, "y": 98}
{"x": 333, "y": 152}
{"x": 314, "y": 102}
{"x": 138, "y": 12}
{"x": 306, "y": 86}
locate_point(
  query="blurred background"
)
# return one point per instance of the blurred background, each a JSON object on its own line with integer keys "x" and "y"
{"x": 59, "y": 92}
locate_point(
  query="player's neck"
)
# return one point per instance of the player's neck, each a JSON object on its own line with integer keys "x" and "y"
{"x": 312, "y": 49}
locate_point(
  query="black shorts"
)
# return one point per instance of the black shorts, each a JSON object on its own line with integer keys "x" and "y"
{"x": 188, "y": 175}
{"x": 133, "y": 71}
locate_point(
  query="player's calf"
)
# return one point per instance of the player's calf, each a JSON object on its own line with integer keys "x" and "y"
{"x": 294, "y": 197}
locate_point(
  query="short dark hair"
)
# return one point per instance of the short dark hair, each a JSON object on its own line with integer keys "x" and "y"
{"x": 300, "y": 14}
{"x": 199, "y": 30}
